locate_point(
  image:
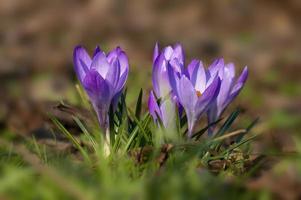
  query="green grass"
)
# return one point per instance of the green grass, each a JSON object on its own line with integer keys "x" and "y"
{"x": 145, "y": 162}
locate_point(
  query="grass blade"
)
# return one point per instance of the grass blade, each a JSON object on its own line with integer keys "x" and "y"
{"x": 139, "y": 104}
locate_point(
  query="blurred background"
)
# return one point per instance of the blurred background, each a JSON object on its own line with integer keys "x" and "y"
{"x": 37, "y": 38}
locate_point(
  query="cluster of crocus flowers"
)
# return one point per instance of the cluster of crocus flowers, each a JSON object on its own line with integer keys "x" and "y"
{"x": 174, "y": 58}
{"x": 103, "y": 77}
{"x": 193, "y": 89}
{"x": 196, "y": 89}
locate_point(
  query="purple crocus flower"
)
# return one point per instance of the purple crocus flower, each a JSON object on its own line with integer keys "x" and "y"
{"x": 195, "y": 89}
{"x": 103, "y": 77}
{"x": 230, "y": 87}
{"x": 173, "y": 56}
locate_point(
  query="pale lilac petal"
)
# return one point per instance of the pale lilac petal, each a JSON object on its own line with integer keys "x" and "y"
{"x": 124, "y": 62}
{"x": 238, "y": 86}
{"x": 231, "y": 69}
{"x": 168, "y": 51}
{"x": 216, "y": 66}
{"x": 178, "y": 67}
{"x": 187, "y": 93}
{"x": 119, "y": 54}
{"x": 164, "y": 86}
{"x": 240, "y": 81}
{"x": 225, "y": 90}
{"x": 82, "y": 62}
{"x": 112, "y": 55}
{"x": 160, "y": 77}
{"x": 188, "y": 99}
{"x": 122, "y": 80}
{"x": 167, "y": 112}
{"x": 156, "y": 73}
{"x": 100, "y": 64}
{"x": 178, "y": 54}
{"x": 208, "y": 97}
{"x": 191, "y": 70}
{"x": 201, "y": 78}
{"x": 112, "y": 76}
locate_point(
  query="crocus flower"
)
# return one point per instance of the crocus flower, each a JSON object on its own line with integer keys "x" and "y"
{"x": 195, "y": 89}
{"x": 169, "y": 55}
{"x": 103, "y": 77}
{"x": 230, "y": 87}
{"x": 173, "y": 56}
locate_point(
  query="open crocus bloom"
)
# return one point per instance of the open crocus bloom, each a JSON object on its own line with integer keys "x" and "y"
{"x": 173, "y": 56}
{"x": 230, "y": 87}
{"x": 195, "y": 89}
{"x": 103, "y": 77}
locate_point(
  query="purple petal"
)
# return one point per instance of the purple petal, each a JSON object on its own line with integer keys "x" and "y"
{"x": 112, "y": 77}
{"x": 100, "y": 64}
{"x": 156, "y": 52}
{"x": 153, "y": 107}
{"x": 208, "y": 97}
{"x": 122, "y": 81}
{"x": 231, "y": 69}
{"x": 178, "y": 54}
{"x": 116, "y": 99}
{"x": 188, "y": 99}
{"x": 178, "y": 67}
{"x": 156, "y": 73}
{"x": 100, "y": 95}
{"x": 168, "y": 51}
{"x": 240, "y": 82}
{"x": 119, "y": 54}
{"x": 201, "y": 78}
{"x": 97, "y": 50}
{"x": 192, "y": 69}
{"x": 187, "y": 93}
{"x": 212, "y": 113}
{"x": 173, "y": 80}
{"x": 226, "y": 86}
{"x": 124, "y": 62}
{"x": 216, "y": 65}
{"x": 82, "y": 62}
{"x": 160, "y": 77}
{"x": 237, "y": 87}
{"x": 97, "y": 88}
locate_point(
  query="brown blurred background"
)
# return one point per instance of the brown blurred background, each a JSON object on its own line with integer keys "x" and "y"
{"x": 37, "y": 38}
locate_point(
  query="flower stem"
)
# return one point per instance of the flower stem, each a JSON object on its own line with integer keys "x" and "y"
{"x": 106, "y": 144}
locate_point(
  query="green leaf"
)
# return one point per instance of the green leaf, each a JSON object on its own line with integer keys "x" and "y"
{"x": 71, "y": 138}
{"x": 139, "y": 124}
{"x": 139, "y": 104}
{"x": 111, "y": 124}
{"x": 198, "y": 134}
{"x": 86, "y": 133}
{"x": 228, "y": 123}
{"x": 134, "y": 133}
{"x": 239, "y": 137}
